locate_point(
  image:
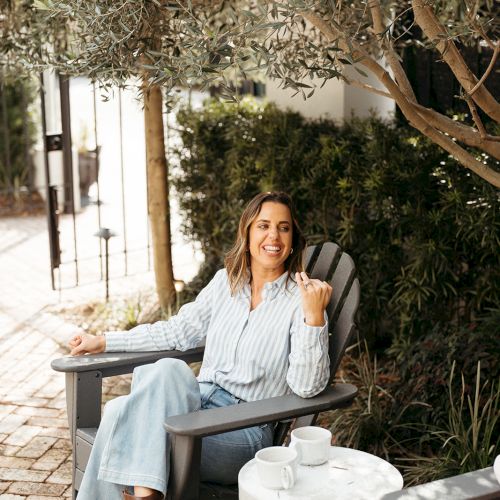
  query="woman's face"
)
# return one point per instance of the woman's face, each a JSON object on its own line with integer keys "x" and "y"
{"x": 270, "y": 238}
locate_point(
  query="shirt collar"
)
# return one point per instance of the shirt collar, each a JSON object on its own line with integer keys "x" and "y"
{"x": 271, "y": 289}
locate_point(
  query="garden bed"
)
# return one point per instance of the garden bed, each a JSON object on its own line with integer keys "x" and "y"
{"x": 22, "y": 204}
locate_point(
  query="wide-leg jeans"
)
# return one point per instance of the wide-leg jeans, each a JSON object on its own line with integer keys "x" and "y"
{"x": 132, "y": 448}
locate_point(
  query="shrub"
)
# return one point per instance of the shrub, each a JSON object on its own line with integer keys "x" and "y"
{"x": 423, "y": 232}
{"x": 373, "y": 423}
{"x": 424, "y": 366}
{"x": 382, "y": 419}
{"x": 19, "y": 126}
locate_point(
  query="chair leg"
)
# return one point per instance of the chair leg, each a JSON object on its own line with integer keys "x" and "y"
{"x": 184, "y": 481}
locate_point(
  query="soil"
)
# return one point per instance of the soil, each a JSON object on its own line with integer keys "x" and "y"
{"x": 21, "y": 205}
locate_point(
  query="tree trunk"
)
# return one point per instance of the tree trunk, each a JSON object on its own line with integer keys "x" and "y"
{"x": 158, "y": 201}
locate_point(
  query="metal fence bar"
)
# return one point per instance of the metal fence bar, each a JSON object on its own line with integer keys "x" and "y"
{"x": 122, "y": 180}
{"x": 97, "y": 159}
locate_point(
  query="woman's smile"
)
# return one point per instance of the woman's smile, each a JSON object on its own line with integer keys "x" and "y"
{"x": 273, "y": 250}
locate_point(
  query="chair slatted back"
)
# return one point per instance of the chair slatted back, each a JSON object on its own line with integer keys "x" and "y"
{"x": 328, "y": 263}
{"x": 344, "y": 328}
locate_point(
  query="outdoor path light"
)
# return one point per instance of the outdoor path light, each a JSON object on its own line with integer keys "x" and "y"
{"x": 106, "y": 233}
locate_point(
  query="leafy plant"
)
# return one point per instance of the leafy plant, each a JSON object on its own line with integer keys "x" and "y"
{"x": 17, "y": 135}
{"x": 424, "y": 365}
{"x": 373, "y": 422}
{"x": 467, "y": 440}
{"x": 424, "y": 234}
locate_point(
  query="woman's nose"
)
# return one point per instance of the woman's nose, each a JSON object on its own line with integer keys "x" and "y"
{"x": 273, "y": 234}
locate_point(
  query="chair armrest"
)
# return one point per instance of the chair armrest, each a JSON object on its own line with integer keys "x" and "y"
{"x": 116, "y": 363}
{"x": 218, "y": 420}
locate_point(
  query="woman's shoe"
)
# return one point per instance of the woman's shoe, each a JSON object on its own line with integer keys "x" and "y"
{"x": 156, "y": 495}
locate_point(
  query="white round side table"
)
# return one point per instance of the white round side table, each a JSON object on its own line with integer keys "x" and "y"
{"x": 348, "y": 474}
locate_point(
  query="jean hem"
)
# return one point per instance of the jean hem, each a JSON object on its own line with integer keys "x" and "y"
{"x": 128, "y": 479}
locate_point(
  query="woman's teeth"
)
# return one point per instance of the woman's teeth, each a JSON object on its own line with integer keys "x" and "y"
{"x": 272, "y": 249}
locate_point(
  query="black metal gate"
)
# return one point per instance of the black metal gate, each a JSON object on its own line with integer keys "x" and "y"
{"x": 66, "y": 263}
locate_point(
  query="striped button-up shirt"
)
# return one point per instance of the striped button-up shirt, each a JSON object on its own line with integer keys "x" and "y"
{"x": 254, "y": 354}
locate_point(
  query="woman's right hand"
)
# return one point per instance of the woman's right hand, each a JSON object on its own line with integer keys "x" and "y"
{"x": 87, "y": 344}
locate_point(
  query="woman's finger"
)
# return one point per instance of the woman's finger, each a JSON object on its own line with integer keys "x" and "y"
{"x": 300, "y": 281}
{"x": 77, "y": 350}
{"x": 305, "y": 279}
{"x": 75, "y": 341}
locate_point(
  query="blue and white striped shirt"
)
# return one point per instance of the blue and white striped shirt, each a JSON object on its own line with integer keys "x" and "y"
{"x": 269, "y": 351}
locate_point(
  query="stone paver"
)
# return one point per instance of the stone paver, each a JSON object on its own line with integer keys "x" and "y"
{"x": 3, "y": 486}
{"x": 37, "y": 447}
{"x": 51, "y": 460}
{"x": 22, "y": 435}
{"x": 8, "y": 451}
{"x": 25, "y": 488}
{"x": 16, "y": 462}
{"x": 8, "y": 474}
{"x": 10, "y": 423}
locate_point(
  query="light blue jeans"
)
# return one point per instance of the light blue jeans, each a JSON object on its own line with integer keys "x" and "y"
{"x": 132, "y": 447}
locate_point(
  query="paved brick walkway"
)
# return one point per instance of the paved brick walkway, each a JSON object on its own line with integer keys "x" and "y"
{"x": 35, "y": 450}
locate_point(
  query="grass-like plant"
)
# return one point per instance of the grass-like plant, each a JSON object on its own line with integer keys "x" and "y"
{"x": 468, "y": 440}
{"x": 372, "y": 423}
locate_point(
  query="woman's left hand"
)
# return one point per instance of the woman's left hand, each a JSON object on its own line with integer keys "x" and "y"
{"x": 315, "y": 297}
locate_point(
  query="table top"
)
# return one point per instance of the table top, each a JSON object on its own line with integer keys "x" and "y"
{"x": 349, "y": 474}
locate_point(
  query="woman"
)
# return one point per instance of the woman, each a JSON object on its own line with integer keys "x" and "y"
{"x": 266, "y": 335}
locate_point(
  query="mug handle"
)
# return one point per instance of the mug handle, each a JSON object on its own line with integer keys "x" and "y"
{"x": 287, "y": 477}
{"x": 294, "y": 445}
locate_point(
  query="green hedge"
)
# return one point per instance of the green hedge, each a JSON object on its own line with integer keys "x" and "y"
{"x": 18, "y": 126}
{"x": 423, "y": 232}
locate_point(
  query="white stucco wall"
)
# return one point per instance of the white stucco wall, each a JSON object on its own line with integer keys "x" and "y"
{"x": 327, "y": 102}
{"x": 360, "y": 102}
{"x": 336, "y": 100}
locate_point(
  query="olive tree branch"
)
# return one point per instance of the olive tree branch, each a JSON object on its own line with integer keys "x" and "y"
{"x": 488, "y": 69}
{"x": 407, "y": 107}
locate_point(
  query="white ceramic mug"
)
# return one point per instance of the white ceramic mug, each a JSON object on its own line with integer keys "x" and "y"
{"x": 496, "y": 468}
{"x": 277, "y": 467}
{"x": 312, "y": 444}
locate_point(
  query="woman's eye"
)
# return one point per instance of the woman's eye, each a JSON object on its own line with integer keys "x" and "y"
{"x": 263, "y": 226}
{"x": 284, "y": 229}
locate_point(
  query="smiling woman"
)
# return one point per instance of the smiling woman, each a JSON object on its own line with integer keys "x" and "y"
{"x": 269, "y": 240}
{"x": 266, "y": 335}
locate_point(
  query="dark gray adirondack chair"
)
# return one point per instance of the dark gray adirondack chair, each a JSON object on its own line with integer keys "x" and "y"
{"x": 84, "y": 388}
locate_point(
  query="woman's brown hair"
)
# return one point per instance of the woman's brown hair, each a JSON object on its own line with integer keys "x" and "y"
{"x": 237, "y": 260}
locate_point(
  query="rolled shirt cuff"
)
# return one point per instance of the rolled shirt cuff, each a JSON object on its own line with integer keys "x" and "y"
{"x": 308, "y": 337}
